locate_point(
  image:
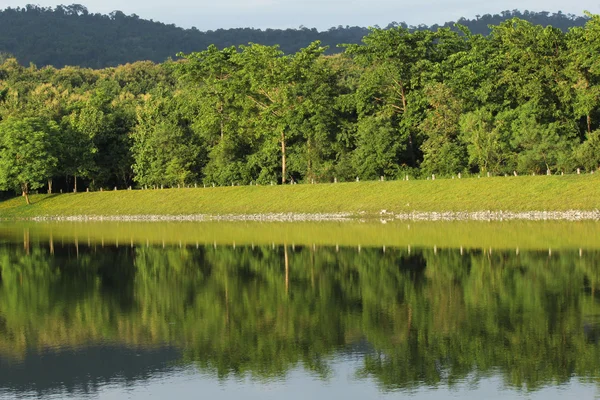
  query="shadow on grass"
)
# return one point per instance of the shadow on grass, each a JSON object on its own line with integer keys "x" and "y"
{"x": 46, "y": 197}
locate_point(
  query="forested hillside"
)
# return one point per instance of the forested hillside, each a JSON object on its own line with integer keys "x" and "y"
{"x": 70, "y": 35}
{"x": 524, "y": 99}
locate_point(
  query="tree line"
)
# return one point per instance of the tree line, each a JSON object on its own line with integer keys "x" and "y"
{"x": 71, "y": 35}
{"x": 524, "y": 99}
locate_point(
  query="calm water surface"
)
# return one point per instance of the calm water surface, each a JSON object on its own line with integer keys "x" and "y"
{"x": 298, "y": 311}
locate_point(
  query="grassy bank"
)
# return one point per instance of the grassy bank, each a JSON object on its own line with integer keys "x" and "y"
{"x": 526, "y": 193}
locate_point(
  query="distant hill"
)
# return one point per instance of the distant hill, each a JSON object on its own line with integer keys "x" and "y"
{"x": 70, "y": 35}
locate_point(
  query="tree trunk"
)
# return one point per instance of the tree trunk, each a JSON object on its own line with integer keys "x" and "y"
{"x": 403, "y": 92}
{"x": 411, "y": 147}
{"x": 75, "y": 184}
{"x": 49, "y": 185}
{"x": 283, "y": 164}
{"x": 411, "y": 150}
{"x": 221, "y": 119}
{"x": 25, "y": 189}
{"x": 226, "y": 302}
{"x": 26, "y": 241}
{"x": 309, "y": 174}
{"x": 287, "y": 268}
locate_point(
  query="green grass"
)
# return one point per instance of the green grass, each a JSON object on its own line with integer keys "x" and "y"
{"x": 526, "y": 193}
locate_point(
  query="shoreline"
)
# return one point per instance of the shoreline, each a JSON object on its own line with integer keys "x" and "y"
{"x": 384, "y": 216}
{"x": 570, "y": 198}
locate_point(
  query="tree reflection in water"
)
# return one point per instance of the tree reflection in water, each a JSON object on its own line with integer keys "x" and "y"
{"x": 417, "y": 317}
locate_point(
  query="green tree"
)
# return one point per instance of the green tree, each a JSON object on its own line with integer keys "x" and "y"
{"x": 25, "y": 155}
{"x": 115, "y": 109}
{"x": 78, "y": 149}
{"x": 211, "y": 74}
{"x": 541, "y": 147}
{"x": 584, "y": 70}
{"x": 286, "y": 96}
{"x": 397, "y": 64}
{"x": 442, "y": 151}
{"x": 215, "y": 104}
{"x": 165, "y": 149}
{"x": 588, "y": 153}
{"x": 485, "y": 141}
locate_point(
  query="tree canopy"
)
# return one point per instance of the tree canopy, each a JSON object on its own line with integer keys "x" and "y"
{"x": 525, "y": 99}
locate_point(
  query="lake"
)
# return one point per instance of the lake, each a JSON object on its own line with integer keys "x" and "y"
{"x": 375, "y": 309}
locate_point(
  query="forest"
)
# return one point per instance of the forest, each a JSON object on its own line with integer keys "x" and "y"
{"x": 71, "y": 35}
{"x": 524, "y": 99}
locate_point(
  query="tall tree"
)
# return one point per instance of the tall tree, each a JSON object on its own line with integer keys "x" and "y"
{"x": 397, "y": 64}
{"x": 26, "y": 159}
{"x": 282, "y": 95}
{"x": 584, "y": 71}
{"x": 78, "y": 149}
{"x": 215, "y": 105}
{"x": 442, "y": 151}
{"x": 165, "y": 149}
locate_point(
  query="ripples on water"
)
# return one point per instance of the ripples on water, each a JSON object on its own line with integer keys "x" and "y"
{"x": 83, "y": 317}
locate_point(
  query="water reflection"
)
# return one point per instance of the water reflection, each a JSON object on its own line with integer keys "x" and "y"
{"x": 75, "y": 317}
{"x": 83, "y": 371}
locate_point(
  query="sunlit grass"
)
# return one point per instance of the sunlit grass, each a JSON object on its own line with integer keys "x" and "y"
{"x": 526, "y": 193}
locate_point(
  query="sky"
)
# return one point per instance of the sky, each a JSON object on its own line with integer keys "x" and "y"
{"x": 320, "y": 14}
